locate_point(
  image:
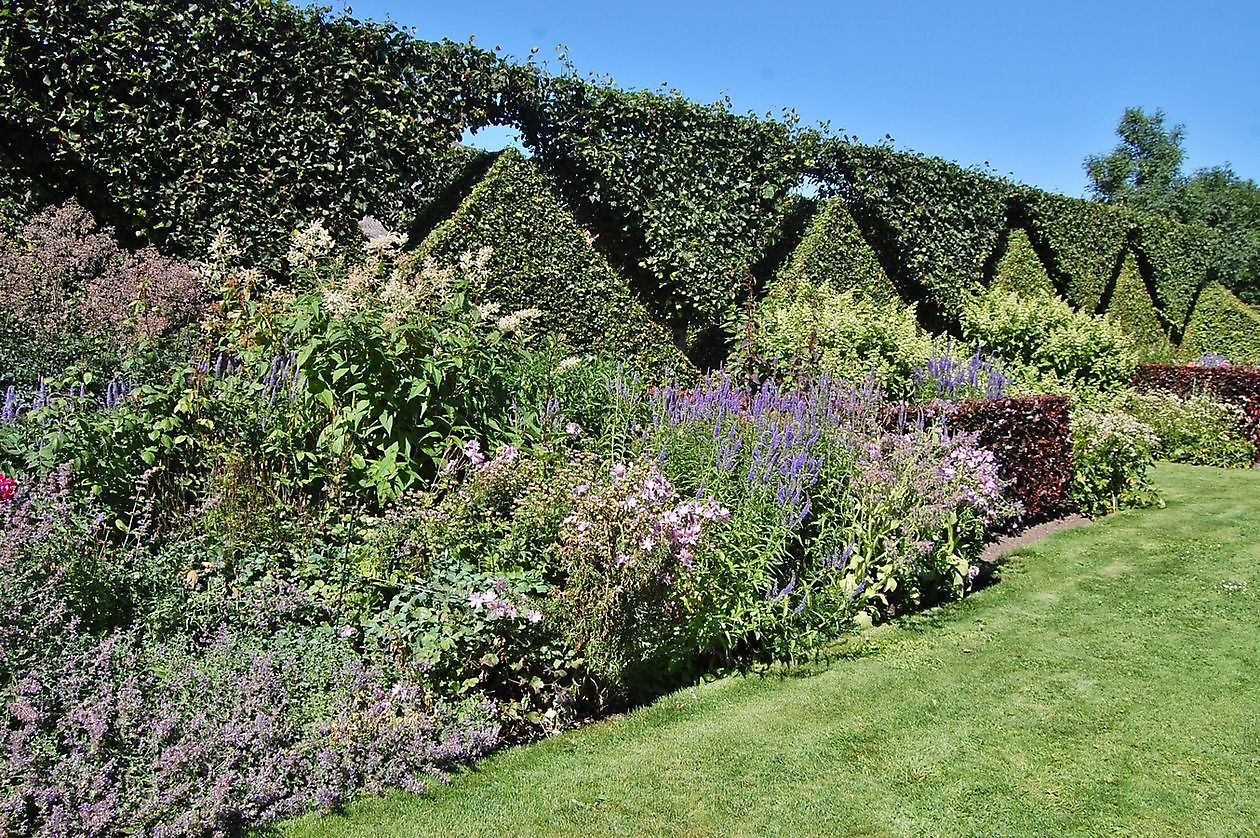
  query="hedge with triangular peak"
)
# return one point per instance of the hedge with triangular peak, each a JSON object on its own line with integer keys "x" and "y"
{"x": 833, "y": 251}
{"x": 1222, "y": 323}
{"x": 1020, "y": 269}
{"x": 1133, "y": 309}
{"x": 542, "y": 258}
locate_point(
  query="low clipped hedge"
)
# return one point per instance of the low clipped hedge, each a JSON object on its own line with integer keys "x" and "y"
{"x": 1230, "y": 384}
{"x": 1031, "y": 438}
{"x": 1221, "y": 323}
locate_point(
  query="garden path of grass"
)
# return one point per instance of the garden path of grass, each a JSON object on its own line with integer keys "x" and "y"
{"x": 1107, "y": 685}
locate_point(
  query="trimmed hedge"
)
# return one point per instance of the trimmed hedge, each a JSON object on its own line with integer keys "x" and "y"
{"x": 1176, "y": 258}
{"x": 1234, "y": 385}
{"x": 1020, "y": 269}
{"x": 833, "y": 252}
{"x": 689, "y": 196}
{"x": 1132, "y": 308}
{"x": 542, "y": 258}
{"x": 1031, "y": 438}
{"x": 935, "y": 223}
{"x": 168, "y": 121}
{"x": 1081, "y": 241}
{"x": 1222, "y": 323}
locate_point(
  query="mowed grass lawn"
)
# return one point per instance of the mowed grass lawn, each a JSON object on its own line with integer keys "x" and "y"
{"x": 1107, "y": 686}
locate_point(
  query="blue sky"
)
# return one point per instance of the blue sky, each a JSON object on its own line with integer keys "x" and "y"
{"x": 1030, "y": 88}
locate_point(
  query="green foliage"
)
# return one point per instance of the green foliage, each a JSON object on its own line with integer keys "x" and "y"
{"x": 1197, "y": 430}
{"x": 1133, "y": 310}
{"x": 169, "y": 121}
{"x": 1221, "y": 323}
{"x": 1142, "y": 171}
{"x": 935, "y": 222}
{"x": 833, "y": 252}
{"x": 1020, "y": 269}
{"x": 404, "y": 364}
{"x": 540, "y": 257}
{"x": 688, "y": 194}
{"x": 1176, "y": 258}
{"x": 1082, "y": 240}
{"x": 1112, "y": 454}
{"x": 845, "y": 333}
{"x": 1041, "y": 336}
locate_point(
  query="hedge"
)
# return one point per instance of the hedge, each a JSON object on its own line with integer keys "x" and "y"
{"x": 542, "y": 258}
{"x": 1031, "y": 438}
{"x": 1176, "y": 259}
{"x": 1223, "y": 324}
{"x": 833, "y": 251}
{"x": 1132, "y": 308}
{"x": 1233, "y": 384}
{"x": 168, "y": 121}
{"x": 688, "y": 195}
{"x": 1082, "y": 243}
{"x": 934, "y": 223}
{"x": 1020, "y": 269}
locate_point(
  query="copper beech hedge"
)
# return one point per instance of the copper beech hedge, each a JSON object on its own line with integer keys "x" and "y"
{"x": 1031, "y": 437}
{"x": 1234, "y": 385}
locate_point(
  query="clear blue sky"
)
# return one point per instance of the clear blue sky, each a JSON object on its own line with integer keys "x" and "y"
{"x": 1030, "y": 88}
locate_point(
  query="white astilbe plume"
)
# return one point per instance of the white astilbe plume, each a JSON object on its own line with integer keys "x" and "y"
{"x": 309, "y": 246}
{"x": 517, "y": 321}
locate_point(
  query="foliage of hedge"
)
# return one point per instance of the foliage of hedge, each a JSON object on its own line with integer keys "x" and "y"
{"x": 1176, "y": 259}
{"x": 169, "y": 121}
{"x": 542, "y": 258}
{"x": 1020, "y": 269}
{"x": 691, "y": 195}
{"x": 1233, "y": 385}
{"x": 1132, "y": 308}
{"x": 832, "y": 251}
{"x": 1222, "y": 323}
{"x": 1082, "y": 242}
{"x": 1031, "y": 437}
{"x": 934, "y": 222}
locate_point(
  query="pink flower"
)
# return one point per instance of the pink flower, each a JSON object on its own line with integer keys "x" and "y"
{"x": 472, "y": 450}
{"x": 533, "y": 616}
{"x": 7, "y": 487}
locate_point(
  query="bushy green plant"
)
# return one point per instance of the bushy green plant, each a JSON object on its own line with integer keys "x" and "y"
{"x": 1222, "y": 323}
{"x": 845, "y": 333}
{"x": 1112, "y": 454}
{"x": 1198, "y": 430}
{"x": 1132, "y": 308}
{"x": 1045, "y": 337}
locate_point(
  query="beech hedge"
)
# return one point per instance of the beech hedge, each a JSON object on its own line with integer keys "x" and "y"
{"x": 1237, "y": 385}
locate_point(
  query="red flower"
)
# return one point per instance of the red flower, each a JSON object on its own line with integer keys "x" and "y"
{"x": 7, "y": 487}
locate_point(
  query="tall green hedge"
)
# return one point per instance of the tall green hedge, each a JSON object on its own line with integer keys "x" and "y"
{"x": 542, "y": 258}
{"x": 1177, "y": 259}
{"x": 689, "y": 195}
{"x": 833, "y": 251}
{"x": 170, "y": 120}
{"x": 934, "y": 222}
{"x": 1020, "y": 269}
{"x": 1223, "y": 324}
{"x": 1082, "y": 242}
{"x": 1132, "y": 308}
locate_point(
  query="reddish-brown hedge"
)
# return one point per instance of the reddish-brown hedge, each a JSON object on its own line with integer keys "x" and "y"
{"x": 1031, "y": 437}
{"x": 1235, "y": 385}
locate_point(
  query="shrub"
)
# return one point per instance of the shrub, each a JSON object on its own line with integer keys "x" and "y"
{"x": 1234, "y": 385}
{"x": 70, "y": 295}
{"x": 1043, "y": 336}
{"x": 540, "y": 257}
{"x": 1196, "y": 429}
{"x": 1112, "y": 453}
{"x": 834, "y": 253}
{"x": 1177, "y": 259}
{"x": 1083, "y": 242}
{"x": 846, "y": 333}
{"x": 1132, "y": 308}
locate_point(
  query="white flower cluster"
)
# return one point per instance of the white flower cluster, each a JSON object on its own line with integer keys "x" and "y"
{"x": 309, "y": 246}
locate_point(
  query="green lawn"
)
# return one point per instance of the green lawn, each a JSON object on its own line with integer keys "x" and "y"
{"x": 1108, "y": 685}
